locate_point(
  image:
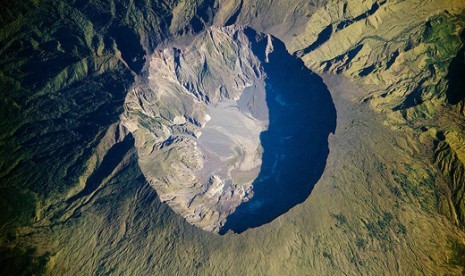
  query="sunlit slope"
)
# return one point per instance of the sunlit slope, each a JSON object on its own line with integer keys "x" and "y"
{"x": 415, "y": 65}
{"x": 390, "y": 201}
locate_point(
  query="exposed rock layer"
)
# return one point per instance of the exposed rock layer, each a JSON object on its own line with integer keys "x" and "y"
{"x": 197, "y": 120}
{"x": 201, "y": 119}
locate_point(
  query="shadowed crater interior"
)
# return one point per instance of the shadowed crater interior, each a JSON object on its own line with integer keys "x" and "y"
{"x": 295, "y": 145}
{"x": 230, "y": 129}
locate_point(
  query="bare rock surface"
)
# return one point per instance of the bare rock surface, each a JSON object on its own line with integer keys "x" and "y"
{"x": 197, "y": 120}
{"x": 231, "y": 130}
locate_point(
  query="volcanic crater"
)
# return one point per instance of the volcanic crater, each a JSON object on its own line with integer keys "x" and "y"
{"x": 231, "y": 131}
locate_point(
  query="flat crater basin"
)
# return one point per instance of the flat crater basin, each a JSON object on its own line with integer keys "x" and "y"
{"x": 231, "y": 137}
{"x": 231, "y": 130}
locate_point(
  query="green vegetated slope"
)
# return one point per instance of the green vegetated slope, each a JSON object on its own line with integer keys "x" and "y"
{"x": 73, "y": 199}
{"x": 64, "y": 76}
{"x": 415, "y": 64}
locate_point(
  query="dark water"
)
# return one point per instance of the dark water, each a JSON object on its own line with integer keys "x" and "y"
{"x": 302, "y": 115}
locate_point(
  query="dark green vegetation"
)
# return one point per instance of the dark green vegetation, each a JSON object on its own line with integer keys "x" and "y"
{"x": 17, "y": 261}
{"x": 65, "y": 69}
{"x": 458, "y": 255}
{"x": 73, "y": 201}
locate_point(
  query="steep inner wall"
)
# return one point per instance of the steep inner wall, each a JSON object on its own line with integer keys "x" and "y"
{"x": 219, "y": 123}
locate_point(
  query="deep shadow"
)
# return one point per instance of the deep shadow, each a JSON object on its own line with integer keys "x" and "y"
{"x": 456, "y": 76}
{"x": 113, "y": 157}
{"x": 233, "y": 19}
{"x": 128, "y": 42}
{"x": 323, "y": 36}
{"x": 302, "y": 115}
{"x": 374, "y": 8}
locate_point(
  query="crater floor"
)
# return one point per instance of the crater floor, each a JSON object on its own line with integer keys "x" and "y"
{"x": 232, "y": 130}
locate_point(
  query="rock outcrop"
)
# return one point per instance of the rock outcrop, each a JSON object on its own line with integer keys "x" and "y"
{"x": 197, "y": 119}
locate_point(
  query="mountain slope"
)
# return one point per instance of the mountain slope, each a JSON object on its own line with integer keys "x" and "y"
{"x": 389, "y": 201}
